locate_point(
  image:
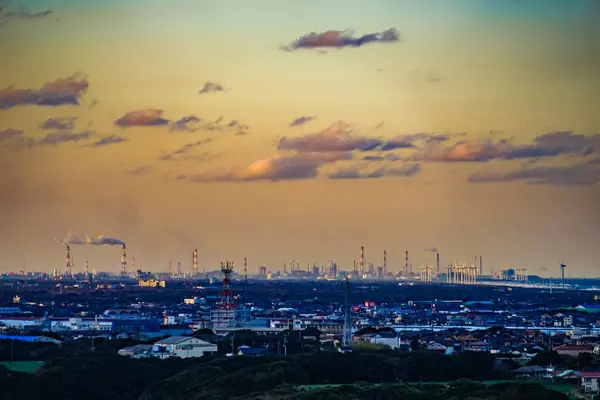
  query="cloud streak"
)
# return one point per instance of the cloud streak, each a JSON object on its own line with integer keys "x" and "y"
{"x": 301, "y": 121}
{"x": 341, "y": 39}
{"x": 108, "y": 140}
{"x": 64, "y": 91}
{"x": 83, "y": 239}
{"x": 184, "y": 150}
{"x": 357, "y": 172}
{"x": 587, "y": 173}
{"x": 279, "y": 167}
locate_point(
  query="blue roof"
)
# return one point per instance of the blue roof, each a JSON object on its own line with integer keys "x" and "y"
{"x": 20, "y": 338}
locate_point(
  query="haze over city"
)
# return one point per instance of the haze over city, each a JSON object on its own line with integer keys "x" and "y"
{"x": 301, "y": 130}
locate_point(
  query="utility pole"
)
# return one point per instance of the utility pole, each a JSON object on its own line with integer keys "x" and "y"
{"x": 233, "y": 342}
{"x": 285, "y": 341}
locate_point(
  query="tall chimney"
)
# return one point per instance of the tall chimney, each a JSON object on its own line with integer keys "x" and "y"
{"x": 362, "y": 260}
{"x": 437, "y": 264}
{"x": 246, "y": 269}
{"x": 124, "y": 262}
{"x": 480, "y": 266}
{"x": 195, "y": 261}
{"x": 68, "y": 261}
{"x": 406, "y": 264}
{"x": 385, "y": 263}
{"x": 87, "y": 269}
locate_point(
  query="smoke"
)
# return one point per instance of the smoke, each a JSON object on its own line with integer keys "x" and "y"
{"x": 431, "y": 250}
{"x": 71, "y": 239}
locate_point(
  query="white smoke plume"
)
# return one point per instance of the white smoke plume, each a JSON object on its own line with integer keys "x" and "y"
{"x": 71, "y": 239}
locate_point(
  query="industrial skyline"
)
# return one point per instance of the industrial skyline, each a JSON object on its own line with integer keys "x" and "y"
{"x": 282, "y": 130}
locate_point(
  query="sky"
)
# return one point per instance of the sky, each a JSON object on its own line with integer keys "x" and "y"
{"x": 284, "y": 130}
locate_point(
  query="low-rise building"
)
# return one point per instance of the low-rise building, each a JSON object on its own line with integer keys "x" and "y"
{"x": 183, "y": 347}
{"x": 590, "y": 382}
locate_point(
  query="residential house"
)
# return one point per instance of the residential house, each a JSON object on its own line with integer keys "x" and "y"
{"x": 137, "y": 351}
{"x": 534, "y": 372}
{"x": 590, "y": 382}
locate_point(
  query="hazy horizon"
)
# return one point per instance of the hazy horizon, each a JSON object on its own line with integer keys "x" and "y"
{"x": 280, "y": 131}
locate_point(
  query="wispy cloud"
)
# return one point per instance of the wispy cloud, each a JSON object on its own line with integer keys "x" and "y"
{"x": 360, "y": 172}
{"x": 7, "y": 16}
{"x": 586, "y": 173}
{"x": 141, "y": 169}
{"x": 65, "y": 91}
{"x": 184, "y": 151}
{"x": 61, "y": 123}
{"x": 9, "y": 134}
{"x": 189, "y": 123}
{"x": 431, "y": 250}
{"x": 340, "y": 39}
{"x": 56, "y": 138}
{"x": 211, "y": 87}
{"x": 276, "y": 168}
{"x": 147, "y": 117}
{"x": 301, "y": 121}
{"x": 108, "y": 140}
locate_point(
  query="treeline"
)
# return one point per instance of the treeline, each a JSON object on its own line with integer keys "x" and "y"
{"x": 105, "y": 375}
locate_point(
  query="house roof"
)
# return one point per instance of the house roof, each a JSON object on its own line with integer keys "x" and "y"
{"x": 174, "y": 340}
{"x": 251, "y": 351}
{"x": 589, "y": 374}
{"x": 588, "y": 347}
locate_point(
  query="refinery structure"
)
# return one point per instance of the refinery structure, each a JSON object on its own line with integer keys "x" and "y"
{"x": 455, "y": 272}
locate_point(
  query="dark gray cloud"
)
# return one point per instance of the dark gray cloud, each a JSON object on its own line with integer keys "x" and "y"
{"x": 7, "y": 16}
{"x": 108, "y": 140}
{"x": 301, "y": 121}
{"x": 147, "y": 117}
{"x": 586, "y": 173}
{"x": 547, "y": 145}
{"x": 342, "y": 137}
{"x": 56, "y": 138}
{"x": 211, "y": 87}
{"x": 358, "y": 172}
{"x": 60, "y": 124}
{"x": 386, "y": 157}
{"x": 65, "y": 91}
{"x": 340, "y": 39}
{"x": 189, "y": 123}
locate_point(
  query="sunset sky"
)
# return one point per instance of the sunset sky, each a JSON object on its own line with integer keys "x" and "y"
{"x": 279, "y": 130}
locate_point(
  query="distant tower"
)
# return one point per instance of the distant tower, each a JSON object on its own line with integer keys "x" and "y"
{"x": 362, "y": 260}
{"x": 68, "y": 270}
{"x": 179, "y": 269}
{"x": 226, "y": 302}
{"x": 480, "y": 266}
{"x": 354, "y": 268}
{"x": 195, "y": 261}
{"x": 246, "y": 270}
{"x": 406, "y": 264}
{"x": 347, "y": 338}
{"x": 562, "y": 272}
{"x": 170, "y": 268}
{"x": 124, "y": 262}
{"x": 87, "y": 269}
{"x": 385, "y": 263}
{"x": 437, "y": 264}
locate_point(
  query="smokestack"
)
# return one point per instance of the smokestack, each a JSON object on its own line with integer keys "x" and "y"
{"x": 195, "y": 261}
{"x": 246, "y": 269}
{"x": 384, "y": 262}
{"x": 68, "y": 261}
{"x": 362, "y": 260}
{"x": 124, "y": 262}
{"x": 437, "y": 265}
{"x": 87, "y": 269}
{"x": 406, "y": 264}
{"x": 480, "y": 266}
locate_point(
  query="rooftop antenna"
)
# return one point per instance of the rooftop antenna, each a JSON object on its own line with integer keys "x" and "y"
{"x": 562, "y": 272}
